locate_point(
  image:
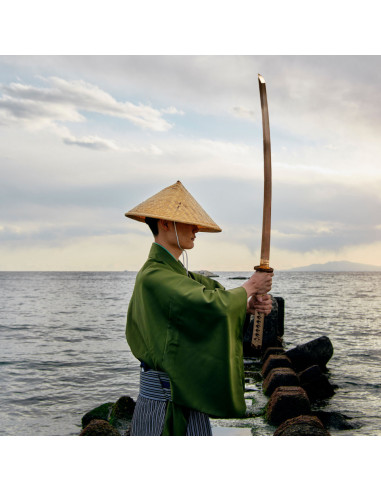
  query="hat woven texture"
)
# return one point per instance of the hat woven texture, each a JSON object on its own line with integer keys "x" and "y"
{"x": 176, "y": 204}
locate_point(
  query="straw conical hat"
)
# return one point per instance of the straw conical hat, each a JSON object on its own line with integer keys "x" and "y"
{"x": 176, "y": 204}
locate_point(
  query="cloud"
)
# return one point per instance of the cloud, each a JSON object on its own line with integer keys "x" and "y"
{"x": 64, "y": 100}
{"x": 245, "y": 113}
{"x": 312, "y": 94}
{"x": 304, "y": 218}
{"x": 172, "y": 110}
{"x": 33, "y": 113}
{"x": 91, "y": 142}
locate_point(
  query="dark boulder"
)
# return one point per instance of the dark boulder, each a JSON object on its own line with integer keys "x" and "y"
{"x": 317, "y": 352}
{"x": 123, "y": 409}
{"x": 287, "y": 402}
{"x": 274, "y": 361}
{"x": 280, "y": 315}
{"x": 335, "y": 420}
{"x": 303, "y": 425}
{"x": 118, "y": 415}
{"x": 99, "y": 428}
{"x": 280, "y": 376}
{"x": 315, "y": 383}
{"x": 272, "y": 351}
{"x": 102, "y": 412}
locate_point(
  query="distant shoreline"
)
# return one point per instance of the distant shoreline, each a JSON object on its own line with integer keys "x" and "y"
{"x": 338, "y": 266}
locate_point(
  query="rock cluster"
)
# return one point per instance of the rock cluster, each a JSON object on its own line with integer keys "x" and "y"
{"x": 293, "y": 380}
{"x": 303, "y": 425}
{"x": 98, "y": 427}
{"x": 109, "y": 419}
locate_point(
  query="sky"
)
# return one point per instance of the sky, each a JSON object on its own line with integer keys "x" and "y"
{"x": 86, "y": 138}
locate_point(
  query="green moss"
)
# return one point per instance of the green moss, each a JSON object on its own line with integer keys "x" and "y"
{"x": 102, "y": 412}
{"x": 122, "y": 411}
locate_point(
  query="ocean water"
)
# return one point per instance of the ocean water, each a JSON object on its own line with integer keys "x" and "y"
{"x": 63, "y": 349}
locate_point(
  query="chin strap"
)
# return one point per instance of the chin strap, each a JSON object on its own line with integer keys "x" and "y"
{"x": 182, "y": 250}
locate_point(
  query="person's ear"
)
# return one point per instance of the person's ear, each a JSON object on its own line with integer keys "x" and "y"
{"x": 164, "y": 224}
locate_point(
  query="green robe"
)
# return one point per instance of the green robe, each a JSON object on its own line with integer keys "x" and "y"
{"x": 191, "y": 328}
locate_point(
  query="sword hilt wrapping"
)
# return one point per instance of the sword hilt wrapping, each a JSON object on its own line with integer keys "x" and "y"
{"x": 259, "y": 318}
{"x": 257, "y": 337}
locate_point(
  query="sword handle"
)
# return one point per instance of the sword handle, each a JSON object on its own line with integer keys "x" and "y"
{"x": 256, "y": 340}
{"x": 259, "y": 318}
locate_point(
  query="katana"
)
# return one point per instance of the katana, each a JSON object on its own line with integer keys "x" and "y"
{"x": 264, "y": 265}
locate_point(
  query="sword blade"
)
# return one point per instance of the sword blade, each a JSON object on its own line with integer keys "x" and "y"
{"x": 257, "y": 336}
{"x": 266, "y": 222}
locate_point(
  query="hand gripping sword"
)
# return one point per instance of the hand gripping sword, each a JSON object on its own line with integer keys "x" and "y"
{"x": 264, "y": 266}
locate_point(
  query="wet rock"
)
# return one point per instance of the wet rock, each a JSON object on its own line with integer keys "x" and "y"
{"x": 287, "y": 402}
{"x": 280, "y": 302}
{"x": 335, "y": 420}
{"x": 272, "y": 351}
{"x": 271, "y": 327}
{"x": 122, "y": 409}
{"x": 274, "y": 361}
{"x": 303, "y": 425}
{"x": 315, "y": 383}
{"x": 317, "y": 352}
{"x": 121, "y": 414}
{"x": 280, "y": 376}
{"x": 310, "y": 374}
{"x": 102, "y": 412}
{"x": 99, "y": 428}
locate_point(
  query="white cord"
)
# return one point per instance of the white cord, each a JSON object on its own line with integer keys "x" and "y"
{"x": 182, "y": 250}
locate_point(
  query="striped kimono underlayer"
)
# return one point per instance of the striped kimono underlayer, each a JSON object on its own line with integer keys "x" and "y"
{"x": 151, "y": 406}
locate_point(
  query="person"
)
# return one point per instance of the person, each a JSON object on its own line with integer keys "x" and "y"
{"x": 186, "y": 328}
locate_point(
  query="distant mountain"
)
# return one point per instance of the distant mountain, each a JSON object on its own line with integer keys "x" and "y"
{"x": 337, "y": 266}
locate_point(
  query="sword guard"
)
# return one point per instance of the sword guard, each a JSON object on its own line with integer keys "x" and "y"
{"x": 262, "y": 268}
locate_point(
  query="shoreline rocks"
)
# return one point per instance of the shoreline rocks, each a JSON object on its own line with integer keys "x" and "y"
{"x": 102, "y": 412}
{"x": 315, "y": 383}
{"x": 290, "y": 392}
{"x": 99, "y": 427}
{"x": 293, "y": 379}
{"x": 303, "y": 425}
{"x": 316, "y": 352}
{"x": 273, "y": 361}
{"x": 109, "y": 419}
{"x": 280, "y": 376}
{"x": 287, "y": 402}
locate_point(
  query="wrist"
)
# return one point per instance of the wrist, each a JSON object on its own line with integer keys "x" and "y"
{"x": 249, "y": 289}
